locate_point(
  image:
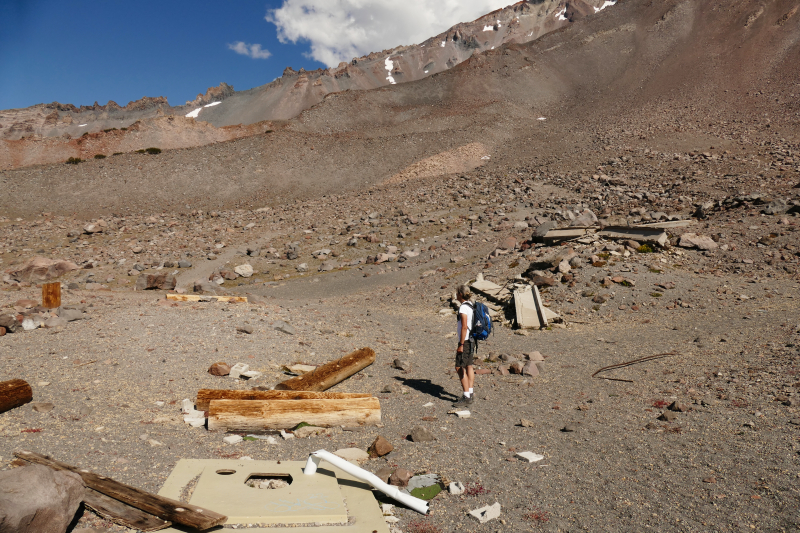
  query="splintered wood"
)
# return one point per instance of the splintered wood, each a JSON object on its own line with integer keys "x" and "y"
{"x": 259, "y": 415}
{"x": 329, "y": 374}
{"x": 206, "y": 396}
{"x": 204, "y": 298}
{"x": 51, "y": 295}
{"x": 14, "y": 393}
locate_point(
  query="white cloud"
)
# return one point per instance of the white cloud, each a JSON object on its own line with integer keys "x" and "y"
{"x": 339, "y": 30}
{"x": 250, "y": 50}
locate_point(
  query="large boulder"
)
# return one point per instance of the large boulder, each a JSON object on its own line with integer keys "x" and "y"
{"x": 41, "y": 269}
{"x": 155, "y": 281}
{"x": 38, "y": 499}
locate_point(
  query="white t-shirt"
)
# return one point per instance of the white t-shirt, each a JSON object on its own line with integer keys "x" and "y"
{"x": 465, "y": 309}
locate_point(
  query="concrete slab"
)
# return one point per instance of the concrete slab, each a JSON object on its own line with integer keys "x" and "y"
{"x": 525, "y": 308}
{"x": 644, "y": 235}
{"x": 490, "y": 290}
{"x": 330, "y": 502}
{"x": 561, "y": 235}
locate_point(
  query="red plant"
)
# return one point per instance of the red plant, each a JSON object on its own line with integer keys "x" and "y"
{"x": 739, "y": 403}
{"x": 419, "y": 526}
{"x": 537, "y": 515}
{"x": 660, "y": 404}
{"x": 32, "y": 430}
{"x": 475, "y": 489}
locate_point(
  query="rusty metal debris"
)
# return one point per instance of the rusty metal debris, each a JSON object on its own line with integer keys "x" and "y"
{"x": 629, "y": 363}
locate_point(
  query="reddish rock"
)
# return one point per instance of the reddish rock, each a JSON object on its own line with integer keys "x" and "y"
{"x": 400, "y": 477}
{"x": 219, "y": 369}
{"x": 516, "y": 367}
{"x": 27, "y": 304}
{"x": 155, "y": 281}
{"x": 509, "y": 243}
{"x": 380, "y": 447}
{"x": 2, "y": 331}
{"x": 42, "y": 269}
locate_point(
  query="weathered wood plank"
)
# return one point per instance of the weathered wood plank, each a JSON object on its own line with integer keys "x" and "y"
{"x": 51, "y": 295}
{"x": 14, "y": 393}
{"x": 258, "y": 415}
{"x": 205, "y": 396}
{"x": 206, "y": 298}
{"x": 159, "y": 506}
{"x": 329, "y": 374}
{"x": 122, "y": 514}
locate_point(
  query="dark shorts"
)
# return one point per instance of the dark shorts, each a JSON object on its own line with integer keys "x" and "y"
{"x": 467, "y": 357}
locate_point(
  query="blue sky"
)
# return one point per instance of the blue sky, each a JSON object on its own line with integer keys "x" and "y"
{"x": 81, "y": 51}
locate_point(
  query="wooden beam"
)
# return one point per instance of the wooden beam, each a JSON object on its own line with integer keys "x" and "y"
{"x": 121, "y": 513}
{"x": 205, "y": 396}
{"x": 159, "y": 506}
{"x": 14, "y": 393}
{"x": 204, "y": 298}
{"x": 258, "y": 415}
{"x": 51, "y": 295}
{"x": 329, "y": 374}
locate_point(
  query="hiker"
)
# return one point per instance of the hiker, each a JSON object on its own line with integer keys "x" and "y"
{"x": 466, "y": 346}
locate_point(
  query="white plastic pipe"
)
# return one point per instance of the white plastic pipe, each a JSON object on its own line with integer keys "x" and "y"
{"x": 421, "y": 506}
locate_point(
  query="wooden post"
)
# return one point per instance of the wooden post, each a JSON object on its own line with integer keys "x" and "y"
{"x": 329, "y": 374}
{"x": 258, "y": 415}
{"x": 14, "y": 393}
{"x": 159, "y": 506}
{"x": 205, "y": 396}
{"x": 51, "y": 295}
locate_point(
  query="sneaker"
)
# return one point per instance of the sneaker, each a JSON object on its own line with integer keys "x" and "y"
{"x": 461, "y": 401}
{"x": 471, "y": 399}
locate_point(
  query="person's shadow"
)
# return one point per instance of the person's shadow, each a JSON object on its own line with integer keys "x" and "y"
{"x": 426, "y": 387}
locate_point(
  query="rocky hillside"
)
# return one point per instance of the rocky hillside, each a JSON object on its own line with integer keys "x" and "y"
{"x": 51, "y": 133}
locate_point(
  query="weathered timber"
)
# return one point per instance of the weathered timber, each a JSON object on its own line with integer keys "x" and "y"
{"x": 204, "y": 298}
{"x": 14, "y": 393}
{"x": 645, "y": 235}
{"x": 259, "y": 415}
{"x": 51, "y": 295}
{"x": 121, "y": 513}
{"x": 159, "y": 506}
{"x": 205, "y": 396}
{"x": 329, "y": 374}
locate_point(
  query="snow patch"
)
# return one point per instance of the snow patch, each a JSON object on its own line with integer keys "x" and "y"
{"x": 488, "y": 28}
{"x": 194, "y": 114}
{"x": 389, "y": 64}
{"x": 541, "y": 118}
{"x": 426, "y": 72}
{"x": 607, "y": 3}
{"x": 560, "y": 14}
{"x": 82, "y": 125}
{"x": 443, "y": 42}
{"x": 212, "y": 104}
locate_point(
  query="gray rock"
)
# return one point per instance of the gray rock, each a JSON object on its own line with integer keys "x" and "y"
{"x": 86, "y": 410}
{"x": 70, "y": 315}
{"x": 302, "y": 267}
{"x": 668, "y": 416}
{"x": 531, "y": 368}
{"x": 327, "y": 266}
{"x": 55, "y": 322}
{"x": 42, "y": 407}
{"x": 701, "y": 242}
{"x": 400, "y": 477}
{"x": 38, "y": 499}
{"x": 586, "y": 218}
{"x": 283, "y": 327}
{"x": 9, "y": 323}
{"x": 392, "y": 387}
{"x": 184, "y": 264}
{"x": 543, "y": 228}
{"x": 422, "y": 434}
{"x": 776, "y": 207}
{"x": 245, "y": 329}
{"x": 402, "y": 364}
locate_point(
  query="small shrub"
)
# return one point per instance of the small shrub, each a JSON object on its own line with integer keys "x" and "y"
{"x": 656, "y": 294}
{"x": 537, "y": 515}
{"x": 645, "y": 249}
{"x": 74, "y": 160}
{"x": 153, "y": 151}
{"x": 99, "y": 156}
{"x": 655, "y": 271}
{"x": 604, "y": 255}
{"x": 418, "y": 526}
{"x": 124, "y": 129}
{"x": 117, "y": 153}
{"x": 475, "y": 489}
{"x": 626, "y": 283}
{"x": 140, "y": 151}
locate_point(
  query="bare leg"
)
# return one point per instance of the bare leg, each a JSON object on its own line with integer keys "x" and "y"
{"x": 470, "y": 378}
{"x": 467, "y": 377}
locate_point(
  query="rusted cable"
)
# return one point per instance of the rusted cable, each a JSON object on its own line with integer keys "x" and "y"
{"x": 628, "y": 363}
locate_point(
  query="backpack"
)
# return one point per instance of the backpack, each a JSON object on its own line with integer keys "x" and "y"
{"x": 481, "y": 323}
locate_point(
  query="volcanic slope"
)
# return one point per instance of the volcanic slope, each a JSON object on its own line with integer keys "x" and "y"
{"x": 669, "y": 73}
